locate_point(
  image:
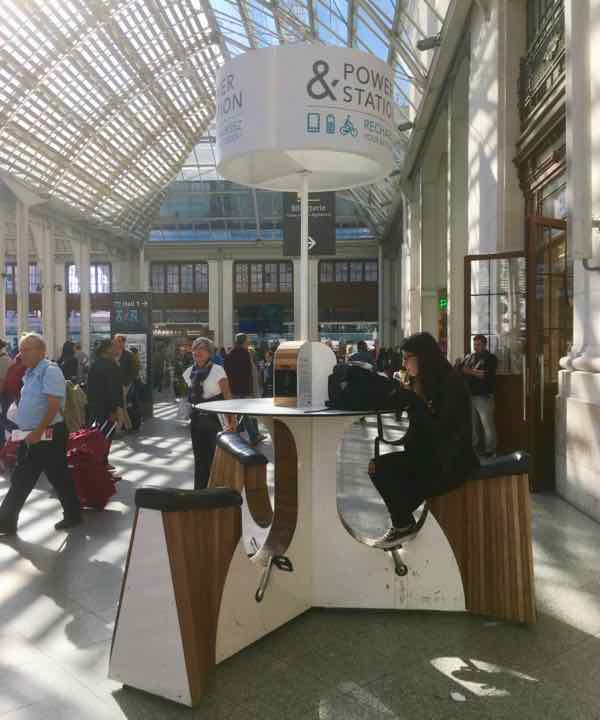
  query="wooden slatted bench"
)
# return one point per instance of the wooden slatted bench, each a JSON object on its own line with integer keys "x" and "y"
{"x": 238, "y": 466}
{"x": 487, "y": 522}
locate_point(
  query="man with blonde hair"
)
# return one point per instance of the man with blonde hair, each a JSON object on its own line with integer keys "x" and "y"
{"x": 44, "y": 447}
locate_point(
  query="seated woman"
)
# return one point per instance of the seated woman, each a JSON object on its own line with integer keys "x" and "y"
{"x": 438, "y": 455}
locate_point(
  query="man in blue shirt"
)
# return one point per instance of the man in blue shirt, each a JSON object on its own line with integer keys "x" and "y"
{"x": 44, "y": 449}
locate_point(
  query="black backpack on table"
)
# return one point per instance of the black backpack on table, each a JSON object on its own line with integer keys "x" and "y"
{"x": 355, "y": 386}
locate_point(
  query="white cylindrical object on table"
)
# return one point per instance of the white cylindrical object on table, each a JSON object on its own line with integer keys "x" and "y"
{"x": 304, "y": 258}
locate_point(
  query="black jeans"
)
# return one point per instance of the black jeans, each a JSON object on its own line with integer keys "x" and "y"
{"x": 404, "y": 481}
{"x": 204, "y": 429}
{"x": 49, "y": 456}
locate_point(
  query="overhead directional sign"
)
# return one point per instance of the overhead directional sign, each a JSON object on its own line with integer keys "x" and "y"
{"x": 321, "y": 224}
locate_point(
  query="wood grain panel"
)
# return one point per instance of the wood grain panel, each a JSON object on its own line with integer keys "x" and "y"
{"x": 200, "y": 544}
{"x": 257, "y": 495}
{"x": 285, "y": 512}
{"x": 226, "y": 471}
{"x": 488, "y": 525}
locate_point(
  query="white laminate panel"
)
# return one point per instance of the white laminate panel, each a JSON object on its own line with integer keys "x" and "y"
{"x": 148, "y": 650}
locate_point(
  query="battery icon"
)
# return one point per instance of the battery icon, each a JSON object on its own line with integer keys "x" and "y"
{"x": 313, "y": 122}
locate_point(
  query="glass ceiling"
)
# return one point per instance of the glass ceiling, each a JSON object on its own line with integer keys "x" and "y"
{"x": 104, "y": 102}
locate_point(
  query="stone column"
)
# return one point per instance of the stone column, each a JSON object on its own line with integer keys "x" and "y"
{"x": 44, "y": 243}
{"x": 227, "y": 302}
{"x": 81, "y": 254}
{"x": 60, "y": 307}
{"x": 458, "y": 231}
{"x": 381, "y": 314}
{"x": 429, "y": 259}
{"x": 144, "y": 271}
{"x": 214, "y": 302}
{"x": 496, "y": 205}
{"x": 414, "y": 236}
{"x": 22, "y": 279}
{"x": 583, "y": 72}
{"x": 578, "y": 401}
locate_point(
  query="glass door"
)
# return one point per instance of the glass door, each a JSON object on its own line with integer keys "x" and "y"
{"x": 550, "y": 334}
{"x": 497, "y": 308}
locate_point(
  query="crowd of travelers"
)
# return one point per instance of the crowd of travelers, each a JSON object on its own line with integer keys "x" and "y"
{"x": 450, "y": 411}
{"x": 45, "y": 403}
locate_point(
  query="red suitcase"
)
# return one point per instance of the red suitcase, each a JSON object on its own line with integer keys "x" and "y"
{"x": 87, "y": 457}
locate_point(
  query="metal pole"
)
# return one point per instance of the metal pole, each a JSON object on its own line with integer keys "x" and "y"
{"x": 304, "y": 258}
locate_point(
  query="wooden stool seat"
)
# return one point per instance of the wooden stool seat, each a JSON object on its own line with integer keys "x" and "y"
{"x": 487, "y": 522}
{"x": 238, "y": 466}
{"x": 181, "y": 548}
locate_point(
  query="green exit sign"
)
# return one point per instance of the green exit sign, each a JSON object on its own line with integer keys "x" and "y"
{"x": 443, "y": 303}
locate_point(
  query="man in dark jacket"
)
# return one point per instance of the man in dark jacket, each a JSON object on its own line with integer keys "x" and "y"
{"x": 479, "y": 369}
{"x": 104, "y": 389}
{"x": 238, "y": 366}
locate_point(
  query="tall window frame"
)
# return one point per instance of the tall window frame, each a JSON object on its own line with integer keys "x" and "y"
{"x": 349, "y": 271}
{"x": 264, "y": 277}
{"x": 187, "y": 277}
{"x": 34, "y": 278}
{"x": 100, "y": 279}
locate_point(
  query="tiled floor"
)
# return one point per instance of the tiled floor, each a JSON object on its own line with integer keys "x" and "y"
{"x": 58, "y": 597}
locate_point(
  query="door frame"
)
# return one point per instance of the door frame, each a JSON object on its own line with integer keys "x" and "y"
{"x": 533, "y": 381}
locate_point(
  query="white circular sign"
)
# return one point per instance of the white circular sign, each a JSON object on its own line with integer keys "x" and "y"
{"x": 290, "y": 109}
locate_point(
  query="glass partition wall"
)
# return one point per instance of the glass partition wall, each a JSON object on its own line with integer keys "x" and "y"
{"x": 496, "y": 307}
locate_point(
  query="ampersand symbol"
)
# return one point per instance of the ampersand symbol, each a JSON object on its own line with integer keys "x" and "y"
{"x": 320, "y": 69}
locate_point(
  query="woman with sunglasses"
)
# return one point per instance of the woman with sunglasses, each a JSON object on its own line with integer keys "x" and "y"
{"x": 438, "y": 452}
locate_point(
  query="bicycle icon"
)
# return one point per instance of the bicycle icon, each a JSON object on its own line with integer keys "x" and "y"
{"x": 348, "y": 128}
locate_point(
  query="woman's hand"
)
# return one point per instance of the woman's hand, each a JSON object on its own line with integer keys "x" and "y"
{"x": 230, "y": 424}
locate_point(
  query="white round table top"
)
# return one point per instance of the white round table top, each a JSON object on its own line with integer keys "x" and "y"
{"x": 265, "y": 406}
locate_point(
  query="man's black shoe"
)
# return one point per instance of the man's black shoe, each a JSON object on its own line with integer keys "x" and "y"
{"x": 67, "y": 523}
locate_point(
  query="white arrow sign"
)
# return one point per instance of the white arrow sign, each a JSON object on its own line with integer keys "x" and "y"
{"x": 311, "y": 243}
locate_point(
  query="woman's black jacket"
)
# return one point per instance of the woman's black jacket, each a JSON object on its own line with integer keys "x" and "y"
{"x": 439, "y": 440}
{"x": 104, "y": 389}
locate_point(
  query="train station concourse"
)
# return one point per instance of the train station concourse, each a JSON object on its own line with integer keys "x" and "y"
{"x": 300, "y": 325}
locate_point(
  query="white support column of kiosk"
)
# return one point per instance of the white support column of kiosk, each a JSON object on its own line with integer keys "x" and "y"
{"x": 22, "y": 280}
{"x": 304, "y": 303}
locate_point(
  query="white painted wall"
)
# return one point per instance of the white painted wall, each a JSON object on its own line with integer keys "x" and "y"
{"x": 496, "y": 204}
{"x": 483, "y": 133}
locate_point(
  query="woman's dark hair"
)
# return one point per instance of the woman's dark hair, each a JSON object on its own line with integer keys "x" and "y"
{"x": 68, "y": 349}
{"x": 103, "y": 346}
{"x": 433, "y": 366}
